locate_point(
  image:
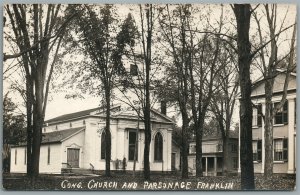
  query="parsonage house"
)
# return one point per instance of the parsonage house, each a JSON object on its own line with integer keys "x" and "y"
{"x": 212, "y": 155}
{"x": 76, "y": 142}
{"x": 284, "y": 126}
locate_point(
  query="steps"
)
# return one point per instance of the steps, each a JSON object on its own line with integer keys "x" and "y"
{"x": 75, "y": 171}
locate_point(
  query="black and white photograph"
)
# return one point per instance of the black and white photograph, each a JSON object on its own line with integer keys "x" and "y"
{"x": 149, "y": 97}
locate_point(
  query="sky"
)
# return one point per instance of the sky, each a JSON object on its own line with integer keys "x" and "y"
{"x": 59, "y": 105}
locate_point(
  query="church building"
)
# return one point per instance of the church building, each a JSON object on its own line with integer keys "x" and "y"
{"x": 76, "y": 141}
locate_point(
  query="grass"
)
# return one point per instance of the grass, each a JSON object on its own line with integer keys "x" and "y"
{"x": 126, "y": 182}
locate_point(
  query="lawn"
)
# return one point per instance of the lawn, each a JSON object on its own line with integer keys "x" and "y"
{"x": 128, "y": 182}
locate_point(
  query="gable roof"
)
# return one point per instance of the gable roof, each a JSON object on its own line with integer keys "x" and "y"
{"x": 89, "y": 112}
{"x": 73, "y": 115}
{"x": 233, "y": 134}
{"x": 261, "y": 79}
{"x": 59, "y": 136}
{"x": 56, "y": 136}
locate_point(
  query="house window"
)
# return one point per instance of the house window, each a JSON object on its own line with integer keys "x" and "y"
{"x": 16, "y": 152}
{"x": 56, "y": 128}
{"x": 194, "y": 163}
{"x": 103, "y": 146}
{"x": 25, "y": 156}
{"x": 233, "y": 148}
{"x": 44, "y": 130}
{"x": 280, "y": 149}
{"x": 234, "y": 162}
{"x": 158, "y": 147}
{"x": 48, "y": 156}
{"x": 192, "y": 148}
{"x": 70, "y": 125}
{"x": 281, "y": 116}
{"x": 131, "y": 146}
{"x": 220, "y": 147}
{"x": 257, "y": 116}
{"x": 257, "y": 148}
{"x": 133, "y": 70}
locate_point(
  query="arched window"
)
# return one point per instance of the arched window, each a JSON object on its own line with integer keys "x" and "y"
{"x": 158, "y": 147}
{"x": 103, "y": 145}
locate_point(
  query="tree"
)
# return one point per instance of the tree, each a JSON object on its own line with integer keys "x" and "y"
{"x": 224, "y": 98}
{"x": 96, "y": 29}
{"x": 204, "y": 67}
{"x": 173, "y": 29}
{"x": 14, "y": 129}
{"x": 136, "y": 86}
{"x": 147, "y": 56}
{"x": 269, "y": 61}
{"x": 36, "y": 34}
{"x": 243, "y": 13}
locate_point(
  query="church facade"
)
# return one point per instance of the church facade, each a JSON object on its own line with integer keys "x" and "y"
{"x": 76, "y": 141}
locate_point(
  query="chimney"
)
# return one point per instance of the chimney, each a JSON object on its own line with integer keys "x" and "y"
{"x": 163, "y": 107}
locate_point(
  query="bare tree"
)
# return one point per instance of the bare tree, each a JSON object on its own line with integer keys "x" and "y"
{"x": 37, "y": 34}
{"x": 223, "y": 101}
{"x": 269, "y": 61}
{"x": 243, "y": 13}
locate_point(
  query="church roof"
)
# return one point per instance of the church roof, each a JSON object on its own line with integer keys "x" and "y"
{"x": 57, "y": 136}
{"x": 73, "y": 115}
{"x": 101, "y": 110}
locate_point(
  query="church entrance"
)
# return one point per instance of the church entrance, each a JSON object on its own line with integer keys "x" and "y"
{"x": 73, "y": 157}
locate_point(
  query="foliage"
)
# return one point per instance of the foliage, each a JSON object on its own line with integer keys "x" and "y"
{"x": 13, "y": 124}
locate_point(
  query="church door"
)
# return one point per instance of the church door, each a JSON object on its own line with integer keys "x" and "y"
{"x": 73, "y": 157}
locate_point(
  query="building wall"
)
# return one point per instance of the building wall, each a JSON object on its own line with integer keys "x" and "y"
{"x": 17, "y": 162}
{"x": 89, "y": 143}
{"x": 210, "y": 149}
{"x": 232, "y": 153}
{"x": 77, "y": 141}
{"x": 54, "y": 166}
{"x": 279, "y": 130}
{"x": 120, "y": 144}
{"x": 64, "y": 125}
{"x": 176, "y": 151}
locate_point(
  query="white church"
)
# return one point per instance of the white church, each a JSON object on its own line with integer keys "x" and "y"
{"x": 75, "y": 141}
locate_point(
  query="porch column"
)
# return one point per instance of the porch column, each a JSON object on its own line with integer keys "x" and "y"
{"x": 291, "y": 131}
{"x": 205, "y": 166}
{"x": 215, "y": 166}
{"x": 263, "y": 108}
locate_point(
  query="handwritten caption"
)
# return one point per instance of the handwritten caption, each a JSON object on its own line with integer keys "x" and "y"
{"x": 94, "y": 185}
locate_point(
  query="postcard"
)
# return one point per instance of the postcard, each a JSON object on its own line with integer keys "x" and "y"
{"x": 149, "y": 97}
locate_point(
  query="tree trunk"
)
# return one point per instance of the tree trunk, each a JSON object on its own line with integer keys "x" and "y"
{"x": 147, "y": 126}
{"x": 243, "y": 13}
{"x": 38, "y": 121}
{"x": 225, "y": 155}
{"x": 147, "y": 144}
{"x": 184, "y": 148}
{"x": 199, "y": 134}
{"x": 268, "y": 129}
{"x": 107, "y": 133}
{"x": 29, "y": 99}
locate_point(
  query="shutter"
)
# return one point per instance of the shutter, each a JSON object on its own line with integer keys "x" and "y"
{"x": 285, "y": 149}
{"x": 259, "y": 148}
